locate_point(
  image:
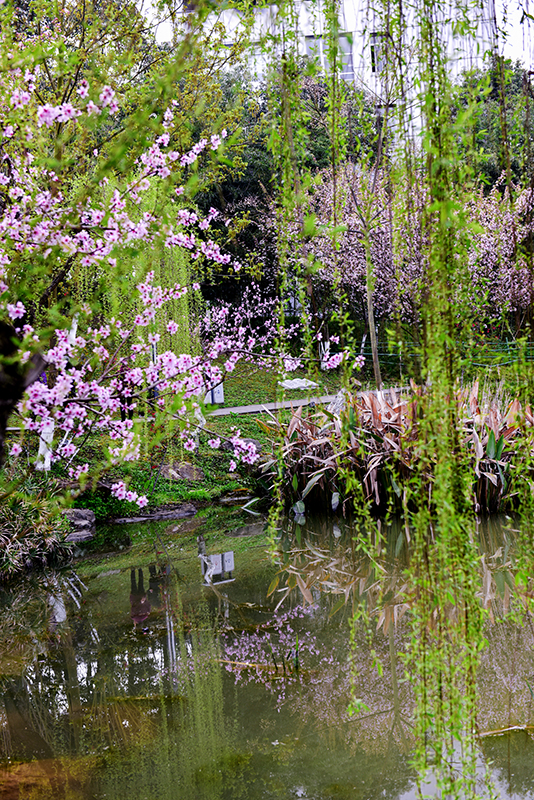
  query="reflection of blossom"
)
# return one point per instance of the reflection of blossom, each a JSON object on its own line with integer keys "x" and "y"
{"x": 277, "y": 655}
{"x": 329, "y": 671}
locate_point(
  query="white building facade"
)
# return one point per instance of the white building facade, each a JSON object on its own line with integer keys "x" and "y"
{"x": 376, "y": 56}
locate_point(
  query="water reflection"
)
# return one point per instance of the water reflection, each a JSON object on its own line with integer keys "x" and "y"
{"x": 137, "y": 683}
{"x": 143, "y": 702}
{"x": 381, "y": 590}
{"x": 323, "y": 558}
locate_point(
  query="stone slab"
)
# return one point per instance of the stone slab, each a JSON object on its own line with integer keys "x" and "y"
{"x": 181, "y": 471}
{"x": 82, "y": 523}
{"x": 183, "y": 511}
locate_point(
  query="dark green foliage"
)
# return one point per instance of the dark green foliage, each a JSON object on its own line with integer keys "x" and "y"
{"x": 500, "y": 131}
{"x": 105, "y": 505}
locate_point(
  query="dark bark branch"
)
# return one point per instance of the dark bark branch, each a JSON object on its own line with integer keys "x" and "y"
{"x": 14, "y": 378}
{"x": 56, "y": 281}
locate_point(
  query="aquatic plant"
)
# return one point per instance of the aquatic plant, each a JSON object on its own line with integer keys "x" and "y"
{"x": 378, "y": 439}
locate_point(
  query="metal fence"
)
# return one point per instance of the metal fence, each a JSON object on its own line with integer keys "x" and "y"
{"x": 491, "y": 354}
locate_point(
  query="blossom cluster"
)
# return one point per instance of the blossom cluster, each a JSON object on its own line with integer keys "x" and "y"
{"x": 249, "y": 329}
{"x": 107, "y": 373}
{"x": 493, "y": 274}
{"x": 39, "y": 219}
{"x": 104, "y": 373}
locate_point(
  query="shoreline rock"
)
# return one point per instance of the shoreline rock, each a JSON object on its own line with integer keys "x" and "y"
{"x": 160, "y": 515}
{"x": 82, "y": 523}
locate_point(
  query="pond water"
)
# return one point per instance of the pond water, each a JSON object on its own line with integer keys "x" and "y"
{"x": 125, "y": 677}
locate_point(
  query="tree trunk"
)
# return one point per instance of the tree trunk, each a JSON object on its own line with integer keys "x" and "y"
{"x": 14, "y": 379}
{"x": 371, "y": 312}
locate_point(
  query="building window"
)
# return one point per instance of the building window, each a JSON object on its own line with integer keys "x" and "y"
{"x": 345, "y": 49}
{"x": 317, "y": 49}
{"x": 378, "y": 52}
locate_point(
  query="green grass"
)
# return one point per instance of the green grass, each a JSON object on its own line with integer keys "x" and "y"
{"x": 248, "y": 385}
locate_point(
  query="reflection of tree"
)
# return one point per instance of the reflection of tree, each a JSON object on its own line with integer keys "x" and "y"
{"x": 512, "y": 756}
{"x": 88, "y": 685}
{"x": 318, "y": 693}
{"x": 322, "y": 563}
{"x": 327, "y": 563}
{"x": 506, "y": 676}
{"x": 186, "y": 758}
{"x": 26, "y": 742}
{"x": 334, "y": 566}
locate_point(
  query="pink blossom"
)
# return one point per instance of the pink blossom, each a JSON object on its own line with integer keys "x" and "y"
{"x": 20, "y": 98}
{"x": 66, "y": 112}
{"x": 106, "y": 96}
{"x": 46, "y": 115}
{"x": 83, "y": 89}
{"x": 91, "y": 108}
{"x": 118, "y": 490}
{"x": 334, "y": 361}
{"x": 78, "y": 471}
{"x": 291, "y": 364}
{"x": 67, "y": 450}
{"x": 16, "y": 311}
{"x": 190, "y": 445}
{"x": 16, "y": 449}
{"x": 233, "y": 466}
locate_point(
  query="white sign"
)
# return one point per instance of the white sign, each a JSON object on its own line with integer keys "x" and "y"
{"x": 228, "y": 561}
{"x": 216, "y": 564}
{"x": 215, "y": 395}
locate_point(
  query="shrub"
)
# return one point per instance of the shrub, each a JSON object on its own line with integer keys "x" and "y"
{"x": 32, "y": 534}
